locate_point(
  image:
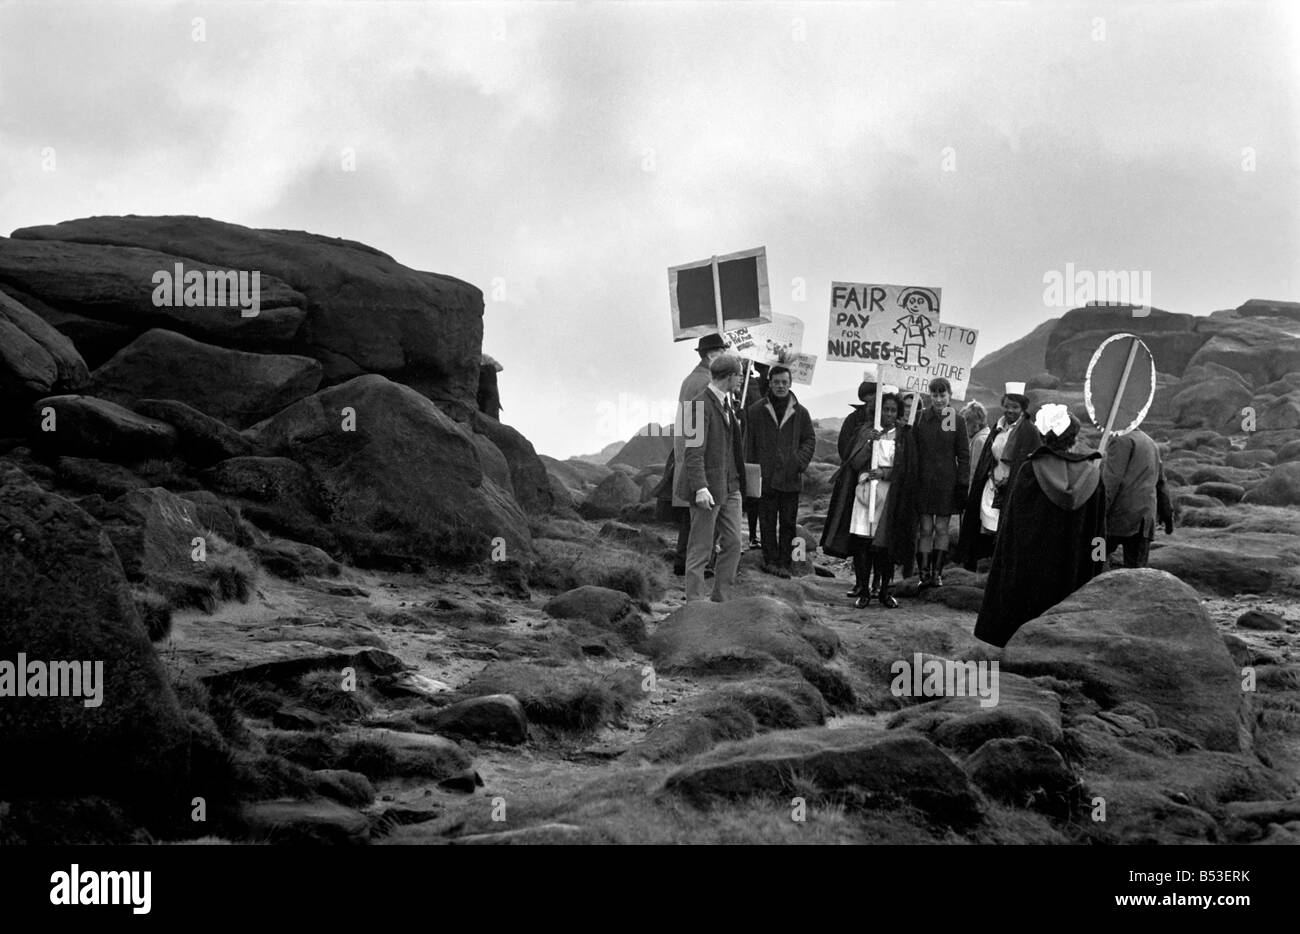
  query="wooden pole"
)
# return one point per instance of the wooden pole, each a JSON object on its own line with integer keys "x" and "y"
{"x": 1119, "y": 395}
{"x": 744, "y": 390}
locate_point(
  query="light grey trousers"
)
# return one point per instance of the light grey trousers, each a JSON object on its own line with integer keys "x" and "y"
{"x": 726, "y": 518}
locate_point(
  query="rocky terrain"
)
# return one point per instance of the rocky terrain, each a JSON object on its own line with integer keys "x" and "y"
{"x": 338, "y": 603}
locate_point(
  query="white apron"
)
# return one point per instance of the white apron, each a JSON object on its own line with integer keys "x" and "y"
{"x": 1001, "y": 470}
{"x": 882, "y": 455}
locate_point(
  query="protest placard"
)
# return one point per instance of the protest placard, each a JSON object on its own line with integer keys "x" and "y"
{"x": 801, "y": 367}
{"x": 719, "y": 294}
{"x": 952, "y": 353}
{"x": 882, "y": 323}
{"x": 767, "y": 343}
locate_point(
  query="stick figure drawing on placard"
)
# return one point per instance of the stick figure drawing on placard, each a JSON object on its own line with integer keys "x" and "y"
{"x": 916, "y": 325}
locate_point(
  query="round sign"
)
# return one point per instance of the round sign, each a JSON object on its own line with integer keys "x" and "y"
{"x": 1106, "y": 372}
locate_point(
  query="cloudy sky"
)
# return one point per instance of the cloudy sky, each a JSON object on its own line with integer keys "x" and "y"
{"x": 562, "y": 156}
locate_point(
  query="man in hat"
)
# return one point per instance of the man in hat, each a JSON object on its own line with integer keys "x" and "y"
{"x": 1135, "y": 496}
{"x": 710, "y": 347}
{"x": 944, "y": 458}
{"x": 1044, "y": 547}
{"x": 714, "y": 471}
{"x": 1008, "y": 446}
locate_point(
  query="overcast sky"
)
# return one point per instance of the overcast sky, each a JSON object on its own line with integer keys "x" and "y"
{"x": 572, "y": 152}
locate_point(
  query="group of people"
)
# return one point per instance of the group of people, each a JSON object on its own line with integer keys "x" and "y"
{"x": 1042, "y": 506}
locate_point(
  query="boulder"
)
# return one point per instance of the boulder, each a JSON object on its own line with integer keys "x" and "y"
{"x": 233, "y": 386}
{"x": 696, "y": 728}
{"x": 201, "y": 439}
{"x": 1139, "y": 635}
{"x": 1214, "y": 404}
{"x": 1259, "y": 352}
{"x": 1218, "y": 571}
{"x": 614, "y": 494}
{"x": 1026, "y": 773}
{"x": 1224, "y": 492}
{"x": 1261, "y": 620}
{"x": 879, "y": 769}
{"x": 608, "y": 610}
{"x": 35, "y": 359}
{"x": 400, "y": 477}
{"x": 1012, "y": 362}
{"x": 116, "y": 285}
{"x": 154, "y": 532}
{"x": 498, "y": 717}
{"x": 1277, "y": 414}
{"x": 366, "y": 313}
{"x": 962, "y": 722}
{"x": 745, "y": 634}
{"x": 1290, "y": 451}
{"x": 319, "y": 822}
{"x": 1281, "y": 488}
{"x": 1248, "y": 459}
{"x": 294, "y": 560}
{"x": 528, "y": 476}
{"x": 83, "y": 426}
{"x": 64, "y": 597}
{"x": 572, "y": 698}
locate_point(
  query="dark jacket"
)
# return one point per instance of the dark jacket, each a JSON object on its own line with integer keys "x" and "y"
{"x": 696, "y": 382}
{"x": 1134, "y": 477}
{"x": 1047, "y": 539}
{"x": 783, "y": 450}
{"x": 944, "y": 455}
{"x": 971, "y": 544}
{"x": 861, "y": 414}
{"x": 705, "y": 464}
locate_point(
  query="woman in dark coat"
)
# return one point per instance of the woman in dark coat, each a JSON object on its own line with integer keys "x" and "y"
{"x": 836, "y": 538}
{"x": 975, "y": 540}
{"x": 1053, "y": 517}
{"x": 944, "y": 453}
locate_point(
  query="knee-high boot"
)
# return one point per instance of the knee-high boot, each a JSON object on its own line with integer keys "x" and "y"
{"x": 885, "y": 574}
{"x": 860, "y": 569}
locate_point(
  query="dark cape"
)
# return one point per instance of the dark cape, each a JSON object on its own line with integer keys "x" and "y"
{"x": 972, "y": 544}
{"x": 902, "y": 517}
{"x": 839, "y": 513}
{"x": 1054, "y": 514}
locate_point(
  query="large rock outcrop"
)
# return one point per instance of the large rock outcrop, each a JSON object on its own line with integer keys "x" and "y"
{"x": 35, "y": 359}
{"x": 366, "y": 313}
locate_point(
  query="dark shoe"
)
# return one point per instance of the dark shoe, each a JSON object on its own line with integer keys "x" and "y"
{"x": 754, "y": 543}
{"x": 936, "y": 580}
{"x": 862, "y": 603}
{"x": 855, "y": 592}
{"x": 888, "y": 601}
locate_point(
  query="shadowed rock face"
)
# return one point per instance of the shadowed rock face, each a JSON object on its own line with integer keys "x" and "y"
{"x": 366, "y": 313}
{"x": 64, "y": 597}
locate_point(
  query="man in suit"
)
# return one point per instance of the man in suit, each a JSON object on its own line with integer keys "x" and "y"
{"x": 710, "y": 347}
{"x": 1135, "y": 496}
{"x": 714, "y": 472}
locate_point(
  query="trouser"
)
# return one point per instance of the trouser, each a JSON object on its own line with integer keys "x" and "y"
{"x": 1136, "y": 548}
{"x": 683, "y": 535}
{"x": 778, "y": 506}
{"x": 860, "y": 549}
{"x": 751, "y": 513}
{"x": 724, "y": 519}
{"x": 883, "y": 564}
